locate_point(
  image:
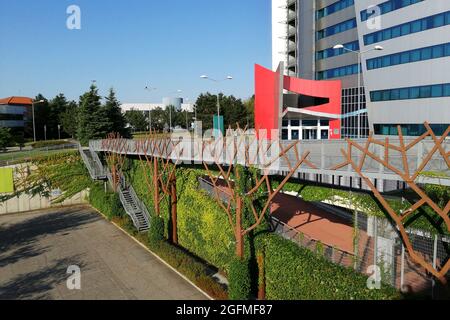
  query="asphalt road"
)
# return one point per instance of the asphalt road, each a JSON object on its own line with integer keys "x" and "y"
{"x": 36, "y": 250}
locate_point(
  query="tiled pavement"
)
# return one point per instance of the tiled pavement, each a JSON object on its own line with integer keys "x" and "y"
{"x": 37, "y": 248}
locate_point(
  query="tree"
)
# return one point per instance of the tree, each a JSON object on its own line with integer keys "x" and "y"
{"x": 93, "y": 122}
{"x": 57, "y": 107}
{"x": 69, "y": 119}
{"x": 41, "y": 114}
{"x": 231, "y": 108}
{"x": 249, "y": 105}
{"x": 248, "y": 188}
{"x": 158, "y": 117}
{"x": 5, "y": 138}
{"x": 137, "y": 120}
{"x": 115, "y": 116}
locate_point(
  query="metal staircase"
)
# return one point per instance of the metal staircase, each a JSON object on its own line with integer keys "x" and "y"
{"x": 134, "y": 207}
{"x": 93, "y": 163}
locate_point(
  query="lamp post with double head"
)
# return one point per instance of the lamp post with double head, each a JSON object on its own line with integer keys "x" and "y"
{"x": 218, "y": 100}
{"x": 360, "y": 54}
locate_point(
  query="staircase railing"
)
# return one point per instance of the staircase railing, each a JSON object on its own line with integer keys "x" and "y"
{"x": 88, "y": 163}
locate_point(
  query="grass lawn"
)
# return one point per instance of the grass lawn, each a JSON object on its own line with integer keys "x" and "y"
{"x": 29, "y": 154}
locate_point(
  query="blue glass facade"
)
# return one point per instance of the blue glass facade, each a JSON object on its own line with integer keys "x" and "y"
{"x": 330, "y": 52}
{"x": 337, "y": 72}
{"x": 414, "y": 130}
{"x": 421, "y": 54}
{"x": 337, "y": 28}
{"x": 389, "y": 6}
{"x": 335, "y": 7}
{"x": 420, "y": 92}
{"x": 435, "y": 21}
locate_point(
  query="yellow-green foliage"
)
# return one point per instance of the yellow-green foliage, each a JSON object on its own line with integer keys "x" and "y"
{"x": 203, "y": 227}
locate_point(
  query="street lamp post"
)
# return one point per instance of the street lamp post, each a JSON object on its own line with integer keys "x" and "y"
{"x": 59, "y": 132}
{"x": 34, "y": 124}
{"x": 45, "y": 132}
{"x": 218, "y": 101}
{"x": 359, "y": 53}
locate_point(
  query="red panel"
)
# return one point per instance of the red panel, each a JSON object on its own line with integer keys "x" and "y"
{"x": 267, "y": 107}
{"x": 321, "y": 89}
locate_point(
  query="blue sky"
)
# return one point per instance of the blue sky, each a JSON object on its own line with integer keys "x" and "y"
{"x": 130, "y": 44}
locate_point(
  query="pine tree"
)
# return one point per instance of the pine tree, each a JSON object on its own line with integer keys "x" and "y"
{"x": 69, "y": 119}
{"x": 93, "y": 122}
{"x": 114, "y": 114}
{"x": 57, "y": 107}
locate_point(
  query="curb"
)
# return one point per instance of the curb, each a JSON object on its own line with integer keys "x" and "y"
{"x": 155, "y": 255}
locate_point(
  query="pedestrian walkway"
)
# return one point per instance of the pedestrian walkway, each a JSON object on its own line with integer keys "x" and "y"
{"x": 36, "y": 250}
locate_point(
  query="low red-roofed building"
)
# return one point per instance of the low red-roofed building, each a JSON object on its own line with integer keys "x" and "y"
{"x": 15, "y": 111}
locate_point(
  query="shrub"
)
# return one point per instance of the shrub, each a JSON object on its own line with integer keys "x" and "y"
{"x": 295, "y": 273}
{"x": 108, "y": 203}
{"x": 156, "y": 232}
{"x": 48, "y": 143}
{"x": 239, "y": 279}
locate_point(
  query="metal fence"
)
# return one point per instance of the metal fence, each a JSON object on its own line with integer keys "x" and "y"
{"x": 378, "y": 244}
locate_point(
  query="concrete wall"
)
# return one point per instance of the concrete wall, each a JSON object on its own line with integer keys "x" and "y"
{"x": 26, "y": 203}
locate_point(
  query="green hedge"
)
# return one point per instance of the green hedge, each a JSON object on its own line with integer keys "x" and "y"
{"x": 108, "y": 203}
{"x": 295, "y": 273}
{"x": 203, "y": 226}
{"x": 240, "y": 280}
{"x": 48, "y": 143}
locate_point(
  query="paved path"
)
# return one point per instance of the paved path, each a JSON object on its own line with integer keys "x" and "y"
{"x": 37, "y": 248}
{"x": 313, "y": 221}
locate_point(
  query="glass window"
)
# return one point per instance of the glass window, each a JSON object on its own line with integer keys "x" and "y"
{"x": 395, "y": 94}
{"x": 439, "y": 20}
{"x": 325, "y": 123}
{"x": 404, "y": 58}
{"x": 370, "y": 64}
{"x": 438, "y": 52}
{"x": 406, "y": 29}
{"x": 447, "y": 49}
{"x": 414, "y": 93}
{"x": 404, "y": 93}
{"x": 295, "y": 135}
{"x": 285, "y": 123}
{"x": 387, "y": 34}
{"x": 386, "y": 61}
{"x": 436, "y": 91}
{"x": 447, "y": 17}
{"x": 415, "y": 56}
{"x": 284, "y": 134}
{"x": 295, "y": 123}
{"x": 375, "y": 96}
{"x": 425, "y": 91}
{"x": 426, "y": 53}
{"x": 395, "y": 59}
{"x": 396, "y": 32}
{"x": 386, "y": 95}
{"x": 416, "y": 26}
{"x": 446, "y": 90}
